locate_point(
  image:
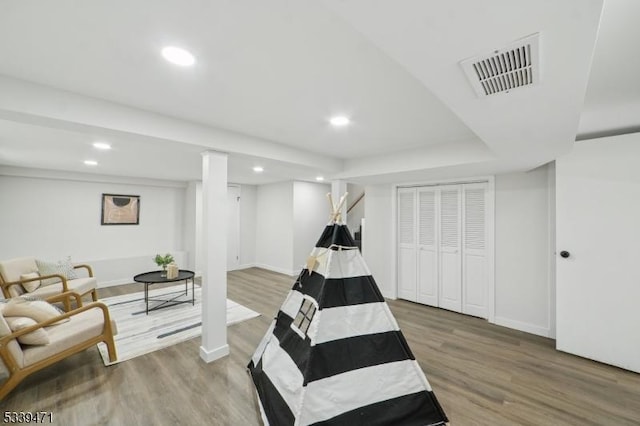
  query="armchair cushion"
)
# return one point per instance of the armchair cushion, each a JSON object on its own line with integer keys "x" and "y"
{"x": 62, "y": 267}
{"x": 37, "y": 337}
{"x": 13, "y": 268}
{"x": 31, "y": 285}
{"x": 80, "y": 328}
{"x": 38, "y": 310}
{"x": 80, "y": 286}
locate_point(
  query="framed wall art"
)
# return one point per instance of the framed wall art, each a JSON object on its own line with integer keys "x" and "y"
{"x": 120, "y": 209}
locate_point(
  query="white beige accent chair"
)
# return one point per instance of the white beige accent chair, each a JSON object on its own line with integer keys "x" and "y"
{"x": 13, "y": 281}
{"x": 87, "y": 326}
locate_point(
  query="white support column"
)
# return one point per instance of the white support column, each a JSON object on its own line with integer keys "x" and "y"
{"x": 338, "y": 189}
{"x": 214, "y": 259}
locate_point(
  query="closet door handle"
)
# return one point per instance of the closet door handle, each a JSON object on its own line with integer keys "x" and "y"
{"x": 564, "y": 254}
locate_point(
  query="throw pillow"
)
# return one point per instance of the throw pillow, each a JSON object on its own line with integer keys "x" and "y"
{"x": 31, "y": 285}
{"x": 37, "y": 337}
{"x": 38, "y": 310}
{"x": 61, "y": 267}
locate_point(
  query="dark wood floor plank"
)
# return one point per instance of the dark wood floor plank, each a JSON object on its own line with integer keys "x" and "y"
{"x": 482, "y": 374}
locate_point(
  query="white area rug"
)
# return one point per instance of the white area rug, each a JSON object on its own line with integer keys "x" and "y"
{"x": 139, "y": 334}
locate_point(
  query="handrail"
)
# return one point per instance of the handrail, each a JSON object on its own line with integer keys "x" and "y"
{"x": 356, "y": 202}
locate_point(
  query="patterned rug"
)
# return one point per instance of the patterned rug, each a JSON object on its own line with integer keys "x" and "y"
{"x": 139, "y": 334}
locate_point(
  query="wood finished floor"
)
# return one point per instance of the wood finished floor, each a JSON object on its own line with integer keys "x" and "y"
{"x": 482, "y": 374}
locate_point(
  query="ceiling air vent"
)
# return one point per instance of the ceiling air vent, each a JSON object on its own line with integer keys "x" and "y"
{"x": 505, "y": 69}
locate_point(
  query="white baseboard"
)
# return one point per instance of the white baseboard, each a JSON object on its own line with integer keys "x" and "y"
{"x": 112, "y": 283}
{"x": 246, "y": 266}
{"x": 213, "y": 354}
{"x": 523, "y": 326}
{"x": 289, "y": 272}
{"x": 388, "y": 294}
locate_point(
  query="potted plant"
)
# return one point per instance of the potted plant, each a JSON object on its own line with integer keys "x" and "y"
{"x": 163, "y": 261}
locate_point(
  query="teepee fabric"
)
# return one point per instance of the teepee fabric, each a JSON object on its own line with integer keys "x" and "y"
{"x": 334, "y": 355}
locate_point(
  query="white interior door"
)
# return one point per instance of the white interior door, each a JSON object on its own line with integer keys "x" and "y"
{"x": 474, "y": 258}
{"x": 450, "y": 242}
{"x": 428, "y": 202}
{"x": 407, "y": 268}
{"x": 233, "y": 227}
{"x": 598, "y": 226}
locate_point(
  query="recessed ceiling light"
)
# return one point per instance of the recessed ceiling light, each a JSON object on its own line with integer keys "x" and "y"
{"x": 101, "y": 145}
{"x": 90, "y": 162}
{"x": 258, "y": 169}
{"x": 339, "y": 121}
{"x": 178, "y": 56}
{"x": 319, "y": 178}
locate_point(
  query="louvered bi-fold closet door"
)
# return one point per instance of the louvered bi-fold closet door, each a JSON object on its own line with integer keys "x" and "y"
{"x": 450, "y": 296}
{"x": 474, "y": 260}
{"x": 407, "y": 269}
{"x": 428, "y": 245}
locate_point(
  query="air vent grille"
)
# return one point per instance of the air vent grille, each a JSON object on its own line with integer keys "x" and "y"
{"x": 505, "y": 69}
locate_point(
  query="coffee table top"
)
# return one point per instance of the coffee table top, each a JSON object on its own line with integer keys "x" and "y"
{"x": 154, "y": 277}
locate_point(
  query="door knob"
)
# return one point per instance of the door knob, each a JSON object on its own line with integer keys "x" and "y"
{"x": 564, "y": 254}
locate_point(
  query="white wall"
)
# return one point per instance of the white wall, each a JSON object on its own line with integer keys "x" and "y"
{"x": 51, "y": 218}
{"x": 551, "y": 168}
{"x": 193, "y": 193}
{"x": 248, "y": 225}
{"x": 523, "y": 287}
{"x": 356, "y": 214}
{"x": 310, "y": 216}
{"x": 274, "y": 227}
{"x": 379, "y": 238}
{"x": 290, "y": 217}
{"x": 523, "y": 236}
{"x": 193, "y": 225}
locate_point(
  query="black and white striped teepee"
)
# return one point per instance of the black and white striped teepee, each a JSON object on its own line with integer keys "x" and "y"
{"x": 334, "y": 355}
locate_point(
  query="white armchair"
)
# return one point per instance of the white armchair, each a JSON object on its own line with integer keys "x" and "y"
{"x": 65, "y": 333}
{"x": 19, "y": 275}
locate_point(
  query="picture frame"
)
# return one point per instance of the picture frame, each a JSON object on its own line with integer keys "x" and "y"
{"x": 118, "y": 209}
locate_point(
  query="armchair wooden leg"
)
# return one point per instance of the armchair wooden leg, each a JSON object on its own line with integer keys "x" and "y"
{"x": 94, "y": 295}
{"x": 10, "y": 384}
{"x": 111, "y": 348}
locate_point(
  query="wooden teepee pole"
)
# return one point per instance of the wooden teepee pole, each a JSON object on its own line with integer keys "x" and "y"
{"x": 335, "y": 209}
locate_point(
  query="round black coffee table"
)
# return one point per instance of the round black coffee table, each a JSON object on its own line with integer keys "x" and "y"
{"x": 159, "y": 277}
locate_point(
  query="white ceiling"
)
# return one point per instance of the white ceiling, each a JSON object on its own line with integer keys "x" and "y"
{"x": 270, "y": 74}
